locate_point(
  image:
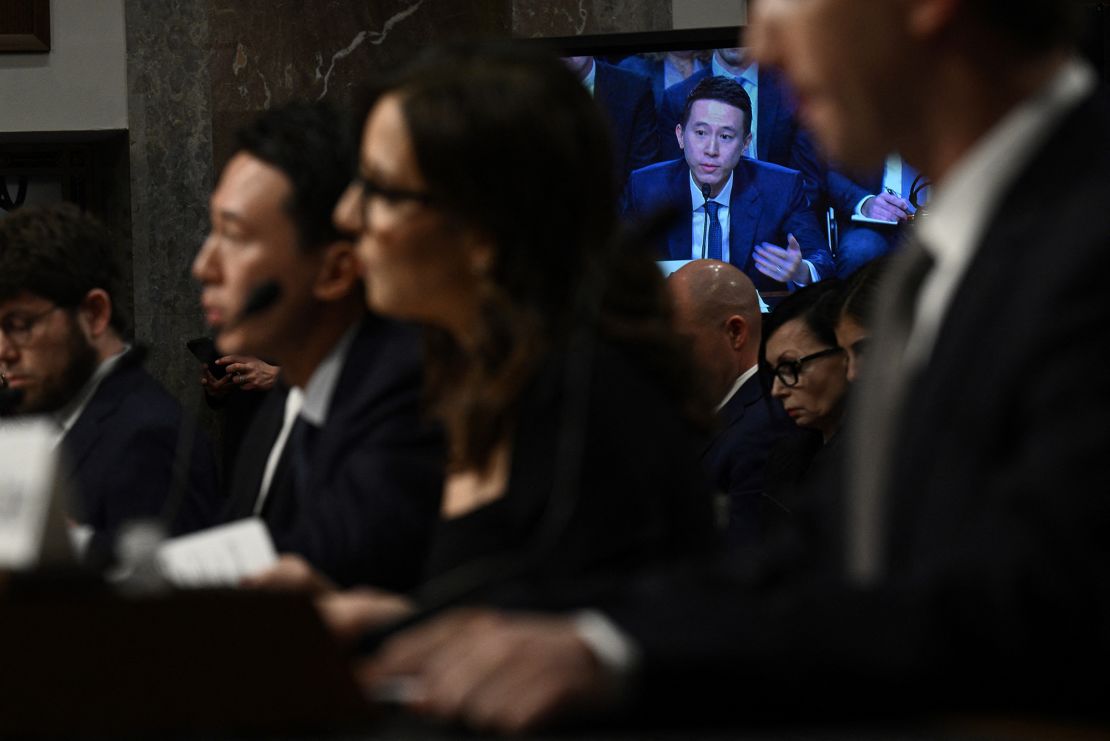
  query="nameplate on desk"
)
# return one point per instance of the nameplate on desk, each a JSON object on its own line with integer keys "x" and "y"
{"x": 28, "y": 466}
{"x": 218, "y": 557}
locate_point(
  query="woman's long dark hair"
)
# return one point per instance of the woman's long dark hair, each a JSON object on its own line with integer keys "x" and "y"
{"x": 511, "y": 143}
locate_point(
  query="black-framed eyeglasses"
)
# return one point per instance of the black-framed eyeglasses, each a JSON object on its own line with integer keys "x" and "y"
{"x": 18, "y": 327}
{"x": 370, "y": 188}
{"x": 788, "y": 371}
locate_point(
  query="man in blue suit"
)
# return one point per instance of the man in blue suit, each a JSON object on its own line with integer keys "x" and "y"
{"x": 65, "y": 348}
{"x": 751, "y": 214}
{"x": 777, "y": 136}
{"x": 343, "y": 469}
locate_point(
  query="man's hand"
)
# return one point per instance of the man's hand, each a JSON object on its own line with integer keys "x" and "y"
{"x": 783, "y": 265}
{"x": 351, "y": 613}
{"x": 291, "y": 573}
{"x": 887, "y": 207}
{"x": 249, "y": 373}
{"x": 492, "y": 670}
{"x": 217, "y": 388}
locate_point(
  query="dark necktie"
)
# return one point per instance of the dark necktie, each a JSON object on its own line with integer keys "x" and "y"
{"x": 878, "y": 406}
{"x": 302, "y": 441}
{"x": 711, "y": 208}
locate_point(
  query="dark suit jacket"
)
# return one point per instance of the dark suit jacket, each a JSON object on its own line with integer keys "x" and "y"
{"x": 735, "y": 458}
{"x": 767, "y": 203}
{"x": 780, "y": 140}
{"x": 376, "y": 472}
{"x": 119, "y": 456}
{"x": 997, "y": 595}
{"x": 625, "y": 97}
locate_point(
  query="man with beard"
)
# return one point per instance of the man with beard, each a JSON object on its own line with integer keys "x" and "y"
{"x": 65, "y": 351}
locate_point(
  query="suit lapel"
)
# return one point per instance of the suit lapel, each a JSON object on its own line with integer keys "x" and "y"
{"x": 744, "y": 214}
{"x": 732, "y": 412}
{"x": 679, "y": 245}
{"x": 81, "y": 438}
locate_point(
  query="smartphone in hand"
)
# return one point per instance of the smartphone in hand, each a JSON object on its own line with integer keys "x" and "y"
{"x": 204, "y": 349}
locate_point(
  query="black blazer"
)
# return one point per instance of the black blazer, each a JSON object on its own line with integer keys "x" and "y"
{"x": 998, "y": 595}
{"x": 736, "y": 457}
{"x": 641, "y": 497}
{"x": 119, "y": 456}
{"x": 376, "y": 472}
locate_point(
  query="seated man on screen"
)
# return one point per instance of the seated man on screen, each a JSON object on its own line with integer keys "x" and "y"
{"x": 342, "y": 468}
{"x": 751, "y": 214}
{"x": 65, "y": 349}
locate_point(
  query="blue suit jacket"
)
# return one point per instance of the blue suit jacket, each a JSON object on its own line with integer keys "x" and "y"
{"x": 767, "y": 203}
{"x": 626, "y": 99}
{"x": 780, "y": 139}
{"x": 375, "y": 474}
{"x": 119, "y": 456}
{"x": 735, "y": 458}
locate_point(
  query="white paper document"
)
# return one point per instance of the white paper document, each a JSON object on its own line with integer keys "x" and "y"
{"x": 28, "y": 463}
{"x": 218, "y": 557}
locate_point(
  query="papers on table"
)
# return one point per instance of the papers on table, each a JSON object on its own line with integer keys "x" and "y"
{"x": 32, "y": 530}
{"x": 218, "y": 557}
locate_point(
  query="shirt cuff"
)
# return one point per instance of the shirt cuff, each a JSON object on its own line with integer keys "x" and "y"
{"x": 814, "y": 276}
{"x": 859, "y": 206}
{"x": 613, "y": 649}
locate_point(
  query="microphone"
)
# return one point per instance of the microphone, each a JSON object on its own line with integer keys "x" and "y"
{"x": 9, "y": 400}
{"x": 705, "y": 191}
{"x": 261, "y": 297}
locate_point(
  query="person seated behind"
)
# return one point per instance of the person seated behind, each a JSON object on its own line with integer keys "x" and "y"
{"x": 65, "y": 347}
{"x": 751, "y": 214}
{"x": 573, "y": 442}
{"x": 665, "y": 69}
{"x": 344, "y": 469}
{"x": 626, "y": 102}
{"x": 717, "y": 309}
{"x": 873, "y": 198}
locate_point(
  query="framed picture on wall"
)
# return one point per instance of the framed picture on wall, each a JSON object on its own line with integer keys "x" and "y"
{"x": 25, "y": 26}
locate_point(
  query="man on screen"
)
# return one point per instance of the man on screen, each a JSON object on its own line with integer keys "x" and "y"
{"x": 751, "y": 214}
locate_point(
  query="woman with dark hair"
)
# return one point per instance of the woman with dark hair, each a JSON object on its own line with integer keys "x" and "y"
{"x": 857, "y": 302}
{"x": 484, "y": 210}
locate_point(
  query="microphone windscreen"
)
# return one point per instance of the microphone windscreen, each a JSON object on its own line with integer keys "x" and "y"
{"x": 261, "y": 298}
{"x": 9, "y": 400}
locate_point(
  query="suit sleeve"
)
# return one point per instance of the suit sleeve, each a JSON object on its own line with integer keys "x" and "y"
{"x": 802, "y": 223}
{"x": 370, "y": 521}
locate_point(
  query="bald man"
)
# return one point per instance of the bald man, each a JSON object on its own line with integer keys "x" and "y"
{"x": 717, "y": 309}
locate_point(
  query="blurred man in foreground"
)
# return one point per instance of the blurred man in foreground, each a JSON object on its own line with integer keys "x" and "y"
{"x": 975, "y": 561}
{"x": 342, "y": 468}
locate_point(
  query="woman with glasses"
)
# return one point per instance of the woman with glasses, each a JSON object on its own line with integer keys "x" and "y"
{"x": 485, "y": 209}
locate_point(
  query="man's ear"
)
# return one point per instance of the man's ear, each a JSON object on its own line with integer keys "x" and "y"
{"x": 678, "y": 135}
{"x": 338, "y": 272}
{"x": 738, "y": 331}
{"x": 94, "y": 314}
{"x": 747, "y": 142}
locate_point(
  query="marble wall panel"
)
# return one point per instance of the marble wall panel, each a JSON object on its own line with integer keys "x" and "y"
{"x": 532, "y": 18}
{"x": 171, "y": 175}
{"x": 265, "y": 52}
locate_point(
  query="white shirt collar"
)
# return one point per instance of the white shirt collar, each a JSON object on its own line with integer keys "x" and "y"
{"x": 591, "y": 78}
{"x": 964, "y": 202}
{"x": 722, "y": 198}
{"x": 321, "y": 386}
{"x": 750, "y": 74}
{"x": 67, "y": 416}
{"x": 740, "y": 381}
